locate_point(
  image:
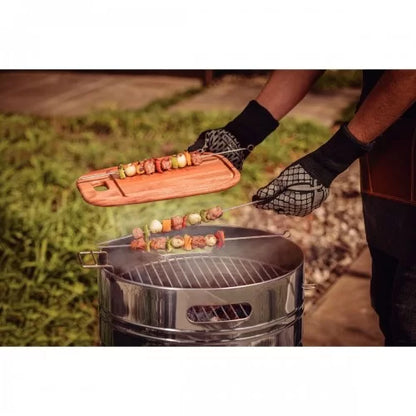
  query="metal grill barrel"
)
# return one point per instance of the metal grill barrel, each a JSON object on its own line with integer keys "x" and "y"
{"x": 240, "y": 294}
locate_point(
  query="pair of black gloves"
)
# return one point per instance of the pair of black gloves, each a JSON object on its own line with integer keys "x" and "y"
{"x": 301, "y": 187}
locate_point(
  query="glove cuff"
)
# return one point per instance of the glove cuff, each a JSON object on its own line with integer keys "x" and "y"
{"x": 333, "y": 157}
{"x": 253, "y": 125}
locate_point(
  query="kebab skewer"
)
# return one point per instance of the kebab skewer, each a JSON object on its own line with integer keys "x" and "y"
{"x": 188, "y": 242}
{"x": 158, "y": 165}
{"x": 178, "y": 222}
{"x": 184, "y": 242}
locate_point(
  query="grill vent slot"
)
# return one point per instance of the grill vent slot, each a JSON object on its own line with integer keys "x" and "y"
{"x": 219, "y": 313}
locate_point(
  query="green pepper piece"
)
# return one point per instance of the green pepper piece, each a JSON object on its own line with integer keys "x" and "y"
{"x": 146, "y": 232}
{"x": 174, "y": 160}
{"x": 203, "y": 214}
{"x": 148, "y": 246}
{"x": 169, "y": 247}
{"x": 121, "y": 171}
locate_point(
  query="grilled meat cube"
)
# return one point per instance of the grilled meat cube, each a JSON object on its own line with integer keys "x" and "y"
{"x": 138, "y": 244}
{"x": 137, "y": 232}
{"x": 166, "y": 163}
{"x": 158, "y": 243}
{"x": 214, "y": 213}
{"x": 198, "y": 241}
{"x": 196, "y": 158}
{"x": 149, "y": 166}
{"x": 158, "y": 165}
{"x": 177, "y": 222}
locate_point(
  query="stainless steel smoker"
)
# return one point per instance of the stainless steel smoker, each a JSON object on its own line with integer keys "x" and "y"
{"x": 249, "y": 292}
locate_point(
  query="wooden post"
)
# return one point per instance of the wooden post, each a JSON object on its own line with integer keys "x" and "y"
{"x": 208, "y": 77}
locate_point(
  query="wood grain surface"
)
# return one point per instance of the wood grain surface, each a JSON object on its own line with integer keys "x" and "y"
{"x": 216, "y": 173}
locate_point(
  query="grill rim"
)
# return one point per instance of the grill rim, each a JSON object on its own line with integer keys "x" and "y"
{"x": 204, "y": 229}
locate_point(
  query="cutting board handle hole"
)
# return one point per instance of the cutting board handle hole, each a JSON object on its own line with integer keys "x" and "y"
{"x": 102, "y": 187}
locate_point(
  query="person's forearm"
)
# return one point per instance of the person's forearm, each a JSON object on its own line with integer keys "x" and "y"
{"x": 393, "y": 94}
{"x": 285, "y": 89}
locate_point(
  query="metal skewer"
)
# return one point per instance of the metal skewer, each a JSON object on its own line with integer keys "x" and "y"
{"x": 244, "y": 205}
{"x": 249, "y": 148}
{"x": 295, "y": 188}
{"x": 97, "y": 175}
{"x": 285, "y": 234}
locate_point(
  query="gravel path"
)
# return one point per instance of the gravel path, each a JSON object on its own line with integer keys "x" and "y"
{"x": 331, "y": 237}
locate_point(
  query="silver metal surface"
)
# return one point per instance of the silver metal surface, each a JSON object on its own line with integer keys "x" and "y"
{"x": 242, "y": 294}
{"x": 246, "y": 204}
{"x": 94, "y": 255}
{"x": 250, "y": 147}
{"x": 255, "y": 202}
{"x": 97, "y": 176}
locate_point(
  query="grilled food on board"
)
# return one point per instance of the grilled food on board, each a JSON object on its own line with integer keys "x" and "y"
{"x": 160, "y": 164}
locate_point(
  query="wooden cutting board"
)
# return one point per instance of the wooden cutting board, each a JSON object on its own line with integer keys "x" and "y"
{"x": 215, "y": 174}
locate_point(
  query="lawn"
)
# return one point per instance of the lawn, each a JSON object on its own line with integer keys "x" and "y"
{"x": 45, "y": 296}
{"x": 333, "y": 80}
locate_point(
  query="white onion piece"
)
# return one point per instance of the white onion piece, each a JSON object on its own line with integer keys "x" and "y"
{"x": 181, "y": 160}
{"x": 155, "y": 226}
{"x": 194, "y": 219}
{"x": 130, "y": 169}
{"x": 211, "y": 240}
{"x": 177, "y": 242}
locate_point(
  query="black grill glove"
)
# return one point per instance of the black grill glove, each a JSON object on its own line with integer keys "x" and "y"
{"x": 304, "y": 185}
{"x": 248, "y": 129}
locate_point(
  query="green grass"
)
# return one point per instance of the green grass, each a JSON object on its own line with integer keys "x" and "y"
{"x": 346, "y": 114}
{"x": 332, "y": 80}
{"x": 45, "y": 296}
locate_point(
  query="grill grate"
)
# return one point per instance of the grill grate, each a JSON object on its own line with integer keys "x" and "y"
{"x": 206, "y": 272}
{"x": 203, "y": 272}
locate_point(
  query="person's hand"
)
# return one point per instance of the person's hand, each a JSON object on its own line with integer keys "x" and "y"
{"x": 221, "y": 140}
{"x": 247, "y": 130}
{"x": 304, "y": 185}
{"x": 293, "y": 192}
